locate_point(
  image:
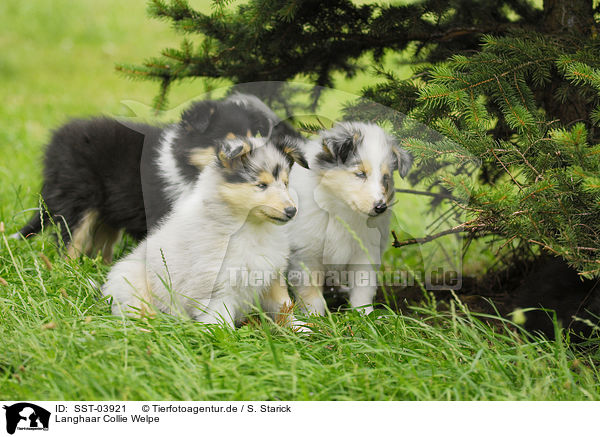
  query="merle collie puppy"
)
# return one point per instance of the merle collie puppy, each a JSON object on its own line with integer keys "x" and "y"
{"x": 228, "y": 223}
{"x": 103, "y": 176}
{"x": 344, "y": 216}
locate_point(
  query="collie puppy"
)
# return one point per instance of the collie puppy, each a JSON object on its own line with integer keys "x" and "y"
{"x": 221, "y": 250}
{"x": 103, "y": 176}
{"x": 343, "y": 222}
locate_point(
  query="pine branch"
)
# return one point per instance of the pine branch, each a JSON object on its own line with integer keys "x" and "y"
{"x": 427, "y": 193}
{"x": 466, "y": 226}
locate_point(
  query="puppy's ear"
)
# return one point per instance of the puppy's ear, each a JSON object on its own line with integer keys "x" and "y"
{"x": 339, "y": 143}
{"x": 291, "y": 147}
{"x": 198, "y": 116}
{"x": 403, "y": 160}
{"x": 231, "y": 149}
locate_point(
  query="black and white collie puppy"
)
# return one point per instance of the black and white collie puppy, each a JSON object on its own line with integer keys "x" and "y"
{"x": 343, "y": 221}
{"x": 103, "y": 176}
{"x": 226, "y": 224}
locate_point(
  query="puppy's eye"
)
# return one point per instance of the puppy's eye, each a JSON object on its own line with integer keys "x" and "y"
{"x": 386, "y": 178}
{"x": 361, "y": 174}
{"x": 261, "y": 185}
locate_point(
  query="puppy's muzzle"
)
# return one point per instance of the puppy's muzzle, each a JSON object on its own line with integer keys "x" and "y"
{"x": 278, "y": 215}
{"x": 290, "y": 211}
{"x": 379, "y": 207}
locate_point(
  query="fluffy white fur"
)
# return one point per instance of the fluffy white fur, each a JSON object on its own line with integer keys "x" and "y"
{"x": 175, "y": 183}
{"x": 184, "y": 267}
{"x": 320, "y": 236}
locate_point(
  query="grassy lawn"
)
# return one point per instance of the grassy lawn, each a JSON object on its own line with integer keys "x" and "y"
{"x": 59, "y": 341}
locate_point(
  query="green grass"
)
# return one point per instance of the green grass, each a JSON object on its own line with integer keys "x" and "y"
{"x": 59, "y": 341}
{"x": 64, "y": 345}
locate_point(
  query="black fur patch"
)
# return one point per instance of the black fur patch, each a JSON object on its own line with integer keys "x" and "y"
{"x": 276, "y": 171}
{"x": 339, "y": 144}
{"x": 102, "y": 164}
{"x": 205, "y": 123}
{"x": 95, "y": 165}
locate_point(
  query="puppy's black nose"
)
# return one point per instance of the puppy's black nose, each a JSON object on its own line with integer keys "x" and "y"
{"x": 290, "y": 211}
{"x": 379, "y": 206}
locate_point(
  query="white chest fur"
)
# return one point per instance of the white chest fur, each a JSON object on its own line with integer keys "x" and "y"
{"x": 255, "y": 255}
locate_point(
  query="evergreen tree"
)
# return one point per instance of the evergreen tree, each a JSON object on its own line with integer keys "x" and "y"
{"x": 515, "y": 85}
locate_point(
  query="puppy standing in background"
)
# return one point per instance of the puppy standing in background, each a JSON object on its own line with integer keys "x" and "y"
{"x": 343, "y": 221}
{"x": 227, "y": 224}
{"x": 103, "y": 176}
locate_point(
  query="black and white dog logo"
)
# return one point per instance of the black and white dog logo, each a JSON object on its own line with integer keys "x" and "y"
{"x": 26, "y": 416}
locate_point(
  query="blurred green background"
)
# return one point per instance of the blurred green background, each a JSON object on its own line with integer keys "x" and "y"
{"x": 57, "y": 60}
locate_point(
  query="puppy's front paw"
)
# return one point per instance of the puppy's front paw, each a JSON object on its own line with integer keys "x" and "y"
{"x": 365, "y": 310}
{"x": 300, "y": 326}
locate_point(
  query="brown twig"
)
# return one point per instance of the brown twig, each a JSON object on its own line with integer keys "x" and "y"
{"x": 427, "y": 193}
{"x": 506, "y": 169}
{"x": 545, "y": 246}
{"x": 454, "y": 230}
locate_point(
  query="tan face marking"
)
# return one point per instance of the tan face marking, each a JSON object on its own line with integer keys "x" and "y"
{"x": 360, "y": 192}
{"x": 365, "y": 167}
{"x": 247, "y": 200}
{"x": 265, "y": 178}
{"x": 353, "y": 190}
{"x": 276, "y": 199}
{"x": 230, "y": 136}
{"x": 238, "y": 196}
